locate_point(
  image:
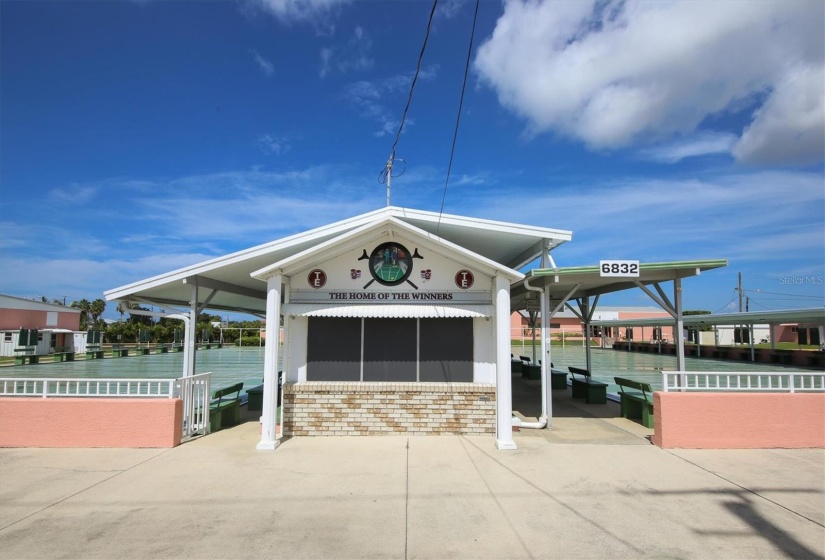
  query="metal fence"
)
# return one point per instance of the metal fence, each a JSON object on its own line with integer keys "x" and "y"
{"x": 194, "y": 391}
{"x": 724, "y": 381}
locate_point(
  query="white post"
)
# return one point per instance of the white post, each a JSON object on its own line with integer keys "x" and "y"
{"x": 273, "y": 325}
{"x": 680, "y": 326}
{"x": 191, "y": 333}
{"x": 546, "y": 370}
{"x": 504, "y": 392}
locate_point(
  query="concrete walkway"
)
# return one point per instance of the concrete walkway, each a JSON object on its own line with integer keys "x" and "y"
{"x": 592, "y": 487}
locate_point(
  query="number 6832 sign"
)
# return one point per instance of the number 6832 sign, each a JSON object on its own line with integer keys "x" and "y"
{"x": 619, "y": 268}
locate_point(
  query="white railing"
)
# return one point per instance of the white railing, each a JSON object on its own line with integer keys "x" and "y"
{"x": 86, "y": 387}
{"x": 722, "y": 381}
{"x": 193, "y": 391}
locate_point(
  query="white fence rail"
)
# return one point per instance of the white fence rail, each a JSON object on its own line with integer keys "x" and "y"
{"x": 86, "y": 387}
{"x": 724, "y": 381}
{"x": 194, "y": 391}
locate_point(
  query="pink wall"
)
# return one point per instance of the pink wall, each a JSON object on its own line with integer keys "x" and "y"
{"x": 13, "y": 319}
{"x": 573, "y": 325}
{"x": 90, "y": 422}
{"x": 739, "y": 420}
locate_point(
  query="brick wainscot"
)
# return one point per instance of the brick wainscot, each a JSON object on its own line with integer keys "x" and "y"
{"x": 341, "y": 408}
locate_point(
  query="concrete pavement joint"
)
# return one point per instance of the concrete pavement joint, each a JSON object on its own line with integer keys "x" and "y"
{"x": 638, "y": 550}
{"x": 495, "y": 499}
{"x": 748, "y": 490}
{"x": 60, "y": 501}
{"x": 407, "y": 502}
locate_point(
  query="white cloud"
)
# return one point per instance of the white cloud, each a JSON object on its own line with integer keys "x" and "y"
{"x": 265, "y": 65}
{"x": 448, "y": 9}
{"x": 748, "y": 216}
{"x": 371, "y": 98}
{"x": 611, "y": 73}
{"x": 275, "y": 145}
{"x": 326, "y": 56}
{"x": 790, "y": 126}
{"x": 350, "y": 56}
{"x": 318, "y": 13}
{"x": 701, "y": 144}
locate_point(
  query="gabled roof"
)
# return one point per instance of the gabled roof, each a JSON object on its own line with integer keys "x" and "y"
{"x": 511, "y": 245}
{"x": 374, "y": 232}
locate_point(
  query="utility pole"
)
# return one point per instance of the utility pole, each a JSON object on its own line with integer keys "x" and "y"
{"x": 739, "y": 289}
{"x": 389, "y": 178}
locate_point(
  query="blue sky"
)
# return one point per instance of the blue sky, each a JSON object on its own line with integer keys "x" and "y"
{"x": 140, "y": 137}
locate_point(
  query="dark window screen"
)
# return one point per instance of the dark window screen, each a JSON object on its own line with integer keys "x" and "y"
{"x": 389, "y": 349}
{"x": 334, "y": 349}
{"x": 446, "y": 350}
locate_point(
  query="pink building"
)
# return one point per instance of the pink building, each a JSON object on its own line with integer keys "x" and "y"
{"x": 55, "y": 323}
{"x": 568, "y": 325}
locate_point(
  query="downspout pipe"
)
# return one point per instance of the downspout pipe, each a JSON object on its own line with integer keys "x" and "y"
{"x": 542, "y": 423}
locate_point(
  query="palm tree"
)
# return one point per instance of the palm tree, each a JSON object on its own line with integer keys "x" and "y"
{"x": 97, "y": 308}
{"x": 85, "y": 309}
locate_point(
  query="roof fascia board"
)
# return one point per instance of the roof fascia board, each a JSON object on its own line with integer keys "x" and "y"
{"x": 326, "y": 250}
{"x": 681, "y": 266}
{"x": 479, "y": 223}
{"x": 343, "y": 243}
{"x": 238, "y": 256}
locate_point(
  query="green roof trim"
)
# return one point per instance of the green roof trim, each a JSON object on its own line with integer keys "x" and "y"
{"x": 594, "y": 269}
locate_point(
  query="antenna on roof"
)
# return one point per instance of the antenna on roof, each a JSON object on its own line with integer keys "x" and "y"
{"x": 389, "y": 179}
{"x": 386, "y": 174}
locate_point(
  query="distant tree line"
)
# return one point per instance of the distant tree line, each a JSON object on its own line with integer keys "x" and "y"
{"x": 160, "y": 330}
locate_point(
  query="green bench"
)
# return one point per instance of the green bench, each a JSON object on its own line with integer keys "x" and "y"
{"x": 584, "y": 387}
{"x": 637, "y": 402}
{"x": 25, "y": 355}
{"x": 225, "y": 407}
{"x": 63, "y": 354}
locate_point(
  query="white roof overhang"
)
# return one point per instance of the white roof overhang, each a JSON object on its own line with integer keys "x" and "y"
{"x": 586, "y": 281}
{"x": 388, "y": 311}
{"x": 229, "y": 276}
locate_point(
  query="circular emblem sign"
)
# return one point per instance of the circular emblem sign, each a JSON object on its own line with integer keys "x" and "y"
{"x": 464, "y": 279}
{"x": 317, "y": 278}
{"x": 390, "y": 264}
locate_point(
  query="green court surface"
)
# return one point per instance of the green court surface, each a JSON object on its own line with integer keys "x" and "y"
{"x": 230, "y": 365}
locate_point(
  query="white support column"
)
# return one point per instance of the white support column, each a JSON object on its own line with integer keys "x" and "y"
{"x": 680, "y": 325}
{"x": 584, "y": 307}
{"x": 504, "y": 392}
{"x": 546, "y": 368}
{"x": 546, "y": 364}
{"x": 190, "y": 342}
{"x": 269, "y": 425}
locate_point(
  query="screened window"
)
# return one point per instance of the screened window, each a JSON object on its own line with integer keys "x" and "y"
{"x": 390, "y": 349}
{"x": 446, "y": 350}
{"x": 334, "y": 349}
{"x": 400, "y": 350}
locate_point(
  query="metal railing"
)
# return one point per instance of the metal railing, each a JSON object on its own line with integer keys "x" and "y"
{"x": 193, "y": 391}
{"x": 86, "y": 387}
{"x": 724, "y": 381}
